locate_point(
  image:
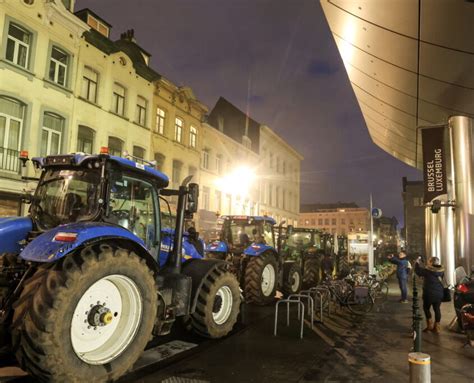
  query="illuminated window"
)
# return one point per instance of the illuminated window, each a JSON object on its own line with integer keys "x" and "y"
{"x": 160, "y": 121}
{"x": 178, "y": 129}
{"x": 192, "y": 137}
{"x": 140, "y": 114}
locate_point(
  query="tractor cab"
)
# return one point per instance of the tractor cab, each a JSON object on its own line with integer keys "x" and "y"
{"x": 302, "y": 241}
{"x": 105, "y": 190}
{"x": 243, "y": 234}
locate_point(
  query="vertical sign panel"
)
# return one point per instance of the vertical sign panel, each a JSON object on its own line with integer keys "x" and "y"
{"x": 434, "y": 163}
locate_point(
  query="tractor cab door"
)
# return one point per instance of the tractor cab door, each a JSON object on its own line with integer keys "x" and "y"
{"x": 133, "y": 204}
{"x": 269, "y": 234}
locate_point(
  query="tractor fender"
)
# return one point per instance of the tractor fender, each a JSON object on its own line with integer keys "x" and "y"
{"x": 198, "y": 270}
{"x": 12, "y": 231}
{"x": 217, "y": 247}
{"x": 46, "y": 249}
{"x": 257, "y": 249}
{"x": 189, "y": 251}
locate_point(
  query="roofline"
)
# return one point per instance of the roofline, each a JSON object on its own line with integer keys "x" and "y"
{"x": 206, "y": 125}
{"x": 282, "y": 140}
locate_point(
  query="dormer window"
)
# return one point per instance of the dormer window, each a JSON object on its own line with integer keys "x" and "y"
{"x": 98, "y": 25}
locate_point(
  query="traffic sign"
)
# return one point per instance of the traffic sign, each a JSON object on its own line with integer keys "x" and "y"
{"x": 376, "y": 212}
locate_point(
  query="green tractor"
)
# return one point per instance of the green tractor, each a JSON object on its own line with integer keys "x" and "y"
{"x": 306, "y": 247}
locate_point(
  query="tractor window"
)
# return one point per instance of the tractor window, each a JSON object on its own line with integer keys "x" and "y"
{"x": 268, "y": 234}
{"x": 299, "y": 240}
{"x": 132, "y": 206}
{"x": 66, "y": 196}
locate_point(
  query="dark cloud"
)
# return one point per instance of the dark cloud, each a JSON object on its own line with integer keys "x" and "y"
{"x": 318, "y": 68}
{"x": 282, "y": 53}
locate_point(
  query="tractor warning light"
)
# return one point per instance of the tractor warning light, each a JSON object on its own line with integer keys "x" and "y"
{"x": 104, "y": 150}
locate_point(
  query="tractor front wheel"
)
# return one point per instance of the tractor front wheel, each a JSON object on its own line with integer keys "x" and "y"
{"x": 86, "y": 318}
{"x": 292, "y": 278}
{"x": 260, "y": 280}
{"x": 218, "y": 305}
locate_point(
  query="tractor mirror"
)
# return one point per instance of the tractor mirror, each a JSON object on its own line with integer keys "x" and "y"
{"x": 289, "y": 230}
{"x": 193, "y": 197}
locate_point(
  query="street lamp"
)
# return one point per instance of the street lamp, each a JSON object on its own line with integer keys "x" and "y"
{"x": 239, "y": 182}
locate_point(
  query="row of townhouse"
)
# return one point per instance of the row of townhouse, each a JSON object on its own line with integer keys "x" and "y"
{"x": 66, "y": 86}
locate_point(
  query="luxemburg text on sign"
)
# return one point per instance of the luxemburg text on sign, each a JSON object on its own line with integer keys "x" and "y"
{"x": 434, "y": 163}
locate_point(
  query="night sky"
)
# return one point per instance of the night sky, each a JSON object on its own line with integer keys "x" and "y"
{"x": 298, "y": 84}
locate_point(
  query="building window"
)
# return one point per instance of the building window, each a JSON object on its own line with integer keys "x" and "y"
{"x": 205, "y": 198}
{"x": 333, "y": 221}
{"x": 138, "y": 152}
{"x": 11, "y": 126}
{"x": 140, "y": 114}
{"x": 18, "y": 45}
{"x": 58, "y": 66}
{"x": 270, "y": 160}
{"x": 326, "y": 221}
{"x": 219, "y": 168}
{"x": 160, "y": 161}
{"x": 277, "y": 195}
{"x": 176, "y": 175}
{"x": 278, "y": 164}
{"x": 115, "y": 146}
{"x": 118, "y": 100}
{"x": 51, "y": 134}
{"x": 313, "y": 222}
{"x": 284, "y": 168}
{"x": 192, "y": 137}
{"x": 284, "y": 200}
{"x": 160, "y": 121}
{"x": 205, "y": 159}
{"x": 89, "y": 84}
{"x": 270, "y": 195}
{"x": 218, "y": 200}
{"x": 85, "y": 140}
{"x": 343, "y": 221}
{"x": 320, "y": 221}
{"x": 178, "y": 129}
{"x": 97, "y": 25}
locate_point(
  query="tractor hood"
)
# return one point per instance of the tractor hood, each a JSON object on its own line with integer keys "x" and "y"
{"x": 12, "y": 231}
{"x": 62, "y": 240}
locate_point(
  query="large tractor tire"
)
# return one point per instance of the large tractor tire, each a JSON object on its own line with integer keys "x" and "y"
{"x": 6, "y": 288}
{"x": 260, "y": 279}
{"x": 311, "y": 272}
{"x": 218, "y": 305}
{"x": 292, "y": 278}
{"x": 86, "y": 318}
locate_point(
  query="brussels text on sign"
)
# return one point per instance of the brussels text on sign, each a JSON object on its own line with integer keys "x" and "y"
{"x": 434, "y": 163}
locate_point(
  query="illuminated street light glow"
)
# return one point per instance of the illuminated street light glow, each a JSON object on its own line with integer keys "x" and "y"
{"x": 239, "y": 182}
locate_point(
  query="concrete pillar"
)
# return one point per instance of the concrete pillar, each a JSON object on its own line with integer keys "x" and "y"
{"x": 446, "y": 242}
{"x": 462, "y": 160}
{"x": 428, "y": 247}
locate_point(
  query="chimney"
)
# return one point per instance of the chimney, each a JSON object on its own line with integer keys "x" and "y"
{"x": 128, "y": 35}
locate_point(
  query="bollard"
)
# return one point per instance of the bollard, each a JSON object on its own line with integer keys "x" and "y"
{"x": 420, "y": 367}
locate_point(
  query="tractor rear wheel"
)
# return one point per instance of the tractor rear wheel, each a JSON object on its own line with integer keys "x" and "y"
{"x": 218, "y": 305}
{"x": 216, "y": 255}
{"x": 292, "y": 278}
{"x": 260, "y": 280}
{"x": 311, "y": 272}
{"x": 86, "y": 318}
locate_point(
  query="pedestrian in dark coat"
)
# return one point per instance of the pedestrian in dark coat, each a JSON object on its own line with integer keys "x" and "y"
{"x": 327, "y": 266}
{"x": 403, "y": 269}
{"x": 433, "y": 289}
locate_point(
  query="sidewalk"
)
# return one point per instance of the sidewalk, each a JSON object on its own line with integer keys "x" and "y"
{"x": 371, "y": 349}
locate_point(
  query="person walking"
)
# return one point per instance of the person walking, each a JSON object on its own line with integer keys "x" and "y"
{"x": 403, "y": 269}
{"x": 433, "y": 289}
{"x": 327, "y": 266}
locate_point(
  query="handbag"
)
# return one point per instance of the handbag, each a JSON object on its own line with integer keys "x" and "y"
{"x": 446, "y": 292}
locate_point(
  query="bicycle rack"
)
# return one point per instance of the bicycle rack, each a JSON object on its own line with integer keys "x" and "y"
{"x": 310, "y": 303}
{"x": 323, "y": 294}
{"x": 300, "y": 307}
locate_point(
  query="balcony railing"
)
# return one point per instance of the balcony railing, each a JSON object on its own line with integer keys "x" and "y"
{"x": 9, "y": 160}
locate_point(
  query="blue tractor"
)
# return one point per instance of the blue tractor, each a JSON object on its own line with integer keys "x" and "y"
{"x": 83, "y": 287}
{"x": 252, "y": 245}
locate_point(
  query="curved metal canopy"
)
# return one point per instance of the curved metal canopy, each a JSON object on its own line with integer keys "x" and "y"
{"x": 410, "y": 64}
